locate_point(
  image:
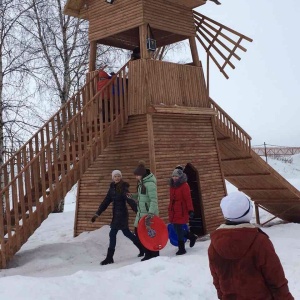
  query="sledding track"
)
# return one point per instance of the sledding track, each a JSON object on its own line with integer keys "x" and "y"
{"x": 251, "y": 174}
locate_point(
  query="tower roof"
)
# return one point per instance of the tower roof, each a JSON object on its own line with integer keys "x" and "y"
{"x": 78, "y": 8}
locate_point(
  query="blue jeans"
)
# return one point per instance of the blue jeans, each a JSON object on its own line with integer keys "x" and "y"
{"x": 113, "y": 236}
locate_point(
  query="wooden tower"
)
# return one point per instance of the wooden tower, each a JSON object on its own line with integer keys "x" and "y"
{"x": 170, "y": 118}
{"x": 150, "y": 109}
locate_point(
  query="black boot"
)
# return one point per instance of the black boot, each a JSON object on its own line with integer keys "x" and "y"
{"x": 155, "y": 253}
{"x": 192, "y": 237}
{"x": 148, "y": 255}
{"x": 141, "y": 248}
{"x": 109, "y": 257}
{"x": 181, "y": 248}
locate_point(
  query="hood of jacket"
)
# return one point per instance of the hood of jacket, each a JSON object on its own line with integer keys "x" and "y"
{"x": 234, "y": 241}
{"x": 182, "y": 179}
{"x": 149, "y": 177}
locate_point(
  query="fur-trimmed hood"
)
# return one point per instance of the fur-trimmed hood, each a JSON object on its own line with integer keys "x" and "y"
{"x": 182, "y": 179}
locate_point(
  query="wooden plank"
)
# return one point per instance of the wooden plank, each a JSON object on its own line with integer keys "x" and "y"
{"x": 236, "y": 159}
{"x": 246, "y": 175}
{"x": 45, "y": 198}
{"x": 14, "y": 195}
{"x": 194, "y": 51}
{"x": 93, "y": 54}
{"x": 181, "y": 110}
{"x": 49, "y": 164}
{"x": 264, "y": 189}
{"x": 151, "y": 144}
{"x": 21, "y": 194}
{"x": 8, "y": 205}
{"x": 55, "y": 164}
{"x": 143, "y": 34}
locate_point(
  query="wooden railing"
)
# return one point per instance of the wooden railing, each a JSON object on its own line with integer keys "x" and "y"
{"x": 154, "y": 82}
{"x": 230, "y": 127}
{"x": 42, "y": 172}
{"x": 221, "y": 43}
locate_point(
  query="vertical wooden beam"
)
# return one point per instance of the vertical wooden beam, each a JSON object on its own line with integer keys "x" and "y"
{"x": 257, "y": 214}
{"x": 76, "y": 209}
{"x": 207, "y": 74}
{"x": 93, "y": 54}
{"x": 151, "y": 144}
{"x": 194, "y": 51}
{"x": 143, "y": 32}
{"x": 213, "y": 123}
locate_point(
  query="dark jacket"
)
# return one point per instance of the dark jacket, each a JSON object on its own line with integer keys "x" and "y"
{"x": 117, "y": 195}
{"x": 244, "y": 265}
{"x": 180, "y": 201}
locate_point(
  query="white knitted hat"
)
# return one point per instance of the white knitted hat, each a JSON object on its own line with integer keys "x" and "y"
{"x": 236, "y": 207}
{"x": 115, "y": 172}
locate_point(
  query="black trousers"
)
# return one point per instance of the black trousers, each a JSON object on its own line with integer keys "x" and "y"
{"x": 148, "y": 253}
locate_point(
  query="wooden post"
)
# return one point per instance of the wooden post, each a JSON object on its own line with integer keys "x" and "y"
{"x": 194, "y": 51}
{"x": 257, "y": 214}
{"x": 143, "y": 32}
{"x": 151, "y": 144}
{"x": 266, "y": 151}
{"x": 207, "y": 74}
{"x": 93, "y": 54}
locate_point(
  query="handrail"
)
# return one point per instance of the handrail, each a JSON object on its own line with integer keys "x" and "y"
{"x": 230, "y": 127}
{"x": 64, "y": 127}
{"x": 49, "y": 120}
{"x": 44, "y": 169}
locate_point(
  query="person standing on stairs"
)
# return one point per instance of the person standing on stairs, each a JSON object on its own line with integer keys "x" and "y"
{"x": 146, "y": 197}
{"x": 181, "y": 208}
{"x": 117, "y": 194}
{"x": 136, "y": 53}
{"x": 242, "y": 259}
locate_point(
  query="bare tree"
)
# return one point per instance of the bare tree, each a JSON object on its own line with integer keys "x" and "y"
{"x": 13, "y": 70}
{"x": 60, "y": 49}
{"x": 14, "y": 87}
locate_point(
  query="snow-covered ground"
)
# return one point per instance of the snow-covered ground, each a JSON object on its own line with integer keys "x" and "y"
{"x": 54, "y": 265}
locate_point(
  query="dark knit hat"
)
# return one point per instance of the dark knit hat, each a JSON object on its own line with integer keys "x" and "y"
{"x": 179, "y": 167}
{"x": 141, "y": 169}
{"x": 177, "y": 172}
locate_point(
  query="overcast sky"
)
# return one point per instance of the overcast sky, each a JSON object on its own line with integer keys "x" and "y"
{"x": 262, "y": 94}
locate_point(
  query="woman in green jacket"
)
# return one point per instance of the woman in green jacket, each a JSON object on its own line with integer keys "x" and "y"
{"x": 146, "y": 197}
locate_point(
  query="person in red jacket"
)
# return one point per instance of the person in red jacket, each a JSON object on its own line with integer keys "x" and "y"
{"x": 104, "y": 78}
{"x": 242, "y": 259}
{"x": 181, "y": 208}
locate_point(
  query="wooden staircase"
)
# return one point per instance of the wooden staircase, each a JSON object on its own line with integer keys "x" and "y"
{"x": 41, "y": 173}
{"x": 251, "y": 174}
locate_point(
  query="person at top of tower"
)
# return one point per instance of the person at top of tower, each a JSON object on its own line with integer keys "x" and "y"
{"x": 136, "y": 53}
{"x": 242, "y": 259}
{"x": 117, "y": 194}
